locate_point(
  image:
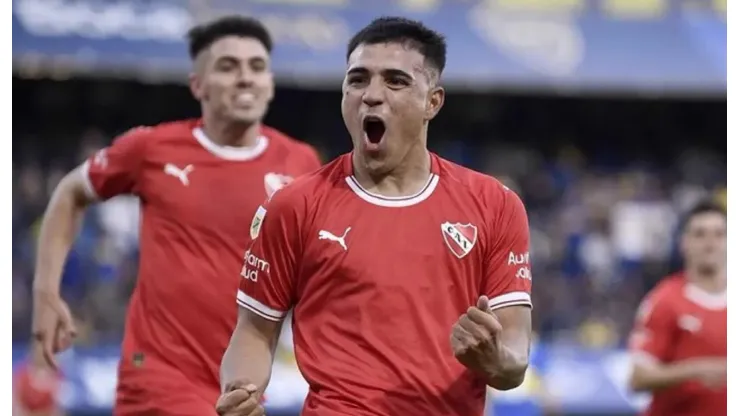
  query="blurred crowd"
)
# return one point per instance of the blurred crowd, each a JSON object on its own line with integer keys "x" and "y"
{"x": 604, "y": 184}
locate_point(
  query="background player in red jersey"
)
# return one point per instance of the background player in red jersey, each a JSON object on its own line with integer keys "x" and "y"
{"x": 408, "y": 275}
{"x": 36, "y": 392}
{"x": 199, "y": 182}
{"x": 680, "y": 335}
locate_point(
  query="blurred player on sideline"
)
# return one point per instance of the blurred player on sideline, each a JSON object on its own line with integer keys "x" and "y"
{"x": 200, "y": 182}
{"x": 408, "y": 275}
{"x": 680, "y": 337}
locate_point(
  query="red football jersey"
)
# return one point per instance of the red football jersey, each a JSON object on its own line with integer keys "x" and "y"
{"x": 197, "y": 199}
{"x": 679, "y": 321}
{"x": 377, "y": 283}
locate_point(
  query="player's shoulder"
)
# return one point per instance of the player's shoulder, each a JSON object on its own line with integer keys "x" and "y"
{"x": 178, "y": 128}
{"x": 668, "y": 291}
{"x": 494, "y": 194}
{"x": 308, "y": 187}
{"x": 159, "y": 132}
{"x": 282, "y": 140}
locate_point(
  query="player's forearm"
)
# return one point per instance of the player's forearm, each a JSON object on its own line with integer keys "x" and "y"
{"x": 247, "y": 359}
{"x": 509, "y": 370}
{"x": 59, "y": 228}
{"x": 659, "y": 376}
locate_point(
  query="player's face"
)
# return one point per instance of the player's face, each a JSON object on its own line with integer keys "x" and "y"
{"x": 388, "y": 98}
{"x": 234, "y": 80}
{"x": 704, "y": 242}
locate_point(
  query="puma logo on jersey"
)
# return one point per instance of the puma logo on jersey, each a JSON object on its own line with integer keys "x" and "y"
{"x": 181, "y": 174}
{"x": 326, "y": 235}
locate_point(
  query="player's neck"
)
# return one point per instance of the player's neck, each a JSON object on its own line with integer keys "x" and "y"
{"x": 715, "y": 282}
{"x": 407, "y": 178}
{"x": 232, "y": 134}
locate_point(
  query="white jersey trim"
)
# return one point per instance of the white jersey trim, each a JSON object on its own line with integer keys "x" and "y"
{"x": 393, "y": 202}
{"x": 510, "y": 299}
{"x": 707, "y": 300}
{"x": 248, "y": 302}
{"x": 231, "y": 152}
{"x": 87, "y": 182}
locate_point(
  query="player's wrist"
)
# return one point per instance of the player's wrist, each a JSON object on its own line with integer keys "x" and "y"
{"x": 505, "y": 370}
{"x": 45, "y": 290}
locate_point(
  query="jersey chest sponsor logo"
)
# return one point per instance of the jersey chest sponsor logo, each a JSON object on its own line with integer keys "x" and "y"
{"x": 460, "y": 238}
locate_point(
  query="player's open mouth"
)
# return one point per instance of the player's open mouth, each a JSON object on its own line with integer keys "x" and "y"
{"x": 374, "y": 128}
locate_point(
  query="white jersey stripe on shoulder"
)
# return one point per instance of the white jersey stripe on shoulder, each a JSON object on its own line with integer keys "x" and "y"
{"x": 89, "y": 188}
{"x": 258, "y": 307}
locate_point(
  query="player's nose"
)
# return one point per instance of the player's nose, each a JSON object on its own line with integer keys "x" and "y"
{"x": 245, "y": 79}
{"x": 373, "y": 94}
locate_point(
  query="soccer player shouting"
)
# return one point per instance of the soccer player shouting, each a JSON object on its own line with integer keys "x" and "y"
{"x": 408, "y": 275}
{"x": 680, "y": 337}
{"x": 199, "y": 182}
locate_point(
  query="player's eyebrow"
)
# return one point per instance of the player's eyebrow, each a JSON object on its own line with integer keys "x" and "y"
{"x": 393, "y": 72}
{"x": 232, "y": 58}
{"x": 388, "y": 72}
{"x": 358, "y": 70}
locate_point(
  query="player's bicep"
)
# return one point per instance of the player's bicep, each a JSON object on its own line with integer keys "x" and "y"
{"x": 516, "y": 324}
{"x": 115, "y": 170}
{"x": 75, "y": 187}
{"x": 253, "y": 325}
{"x": 268, "y": 274}
{"x": 508, "y": 277}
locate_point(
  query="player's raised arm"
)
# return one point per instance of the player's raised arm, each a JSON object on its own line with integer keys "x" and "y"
{"x": 651, "y": 342}
{"x": 266, "y": 293}
{"x": 109, "y": 172}
{"x": 493, "y": 337}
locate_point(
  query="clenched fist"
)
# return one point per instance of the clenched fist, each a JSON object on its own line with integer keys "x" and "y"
{"x": 475, "y": 338}
{"x": 240, "y": 399}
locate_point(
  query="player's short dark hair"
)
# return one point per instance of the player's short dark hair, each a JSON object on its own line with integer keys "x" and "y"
{"x": 430, "y": 44}
{"x": 204, "y": 35}
{"x": 703, "y": 207}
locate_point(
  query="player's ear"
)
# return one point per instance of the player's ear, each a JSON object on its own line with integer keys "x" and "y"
{"x": 435, "y": 102}
{"x": 196, "y": 86}
{"x": 271, "y": 89}
{"x": 682, "y": 243}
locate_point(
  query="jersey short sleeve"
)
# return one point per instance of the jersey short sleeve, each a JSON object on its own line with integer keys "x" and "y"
{"x": 115, "y": 170}
{"x": 268, "y": 273}
{"x": 652, "y": 335}
{"x": 508, "y": 279}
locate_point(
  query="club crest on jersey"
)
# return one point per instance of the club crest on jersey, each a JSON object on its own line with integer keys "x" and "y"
{"x": 460, "y": 238}
{"x": 274, "y": 182}
{"x": 254, "y": 229}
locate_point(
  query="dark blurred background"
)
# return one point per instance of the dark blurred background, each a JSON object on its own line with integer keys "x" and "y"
{"x": 608, "y": 119}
